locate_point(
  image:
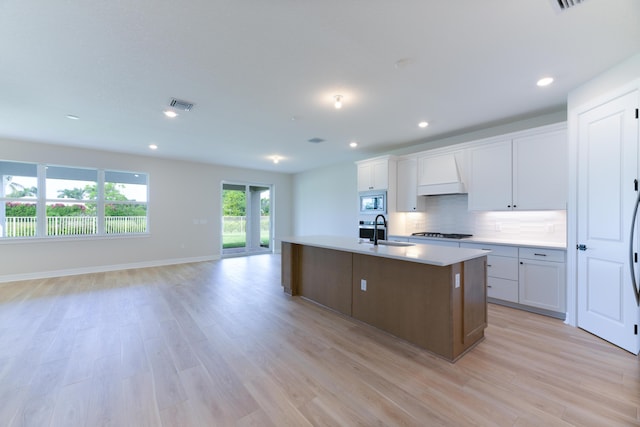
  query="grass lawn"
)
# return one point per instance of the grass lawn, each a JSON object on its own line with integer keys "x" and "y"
{"x": 239, "y": 241}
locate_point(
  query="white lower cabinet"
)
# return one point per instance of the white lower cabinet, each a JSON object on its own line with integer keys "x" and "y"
{"x": 502, "y": 271}
{"x": 526, "y": 276}
{"x": 542, "y": 279}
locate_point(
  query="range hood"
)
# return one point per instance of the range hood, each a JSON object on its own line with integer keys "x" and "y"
{"x": 440, "y": 175}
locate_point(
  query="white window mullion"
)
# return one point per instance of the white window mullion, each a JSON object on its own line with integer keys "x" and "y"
{"x": 100, "y": 203}
{"x": 41, "y": 202}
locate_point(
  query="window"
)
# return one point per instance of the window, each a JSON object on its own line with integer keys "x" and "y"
{"x": 125, "y": 195}
{"x": 72, "y": 195}
{"x": 53, "y": 201}
{"x": 18, "y": 193}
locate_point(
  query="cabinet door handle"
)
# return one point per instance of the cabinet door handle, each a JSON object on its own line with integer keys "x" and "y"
{"x": 521, "y": 263}
{"x": 488, "y": 265}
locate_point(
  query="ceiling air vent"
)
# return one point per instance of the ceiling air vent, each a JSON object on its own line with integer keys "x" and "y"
{"x": 181, "y": 105}
{"x": 316, "y": 140}
{"x": 561, "y": 5}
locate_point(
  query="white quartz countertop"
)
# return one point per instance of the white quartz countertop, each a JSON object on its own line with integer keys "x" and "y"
{"x": 422, "y": 253}
{"x": 489, "y": 240}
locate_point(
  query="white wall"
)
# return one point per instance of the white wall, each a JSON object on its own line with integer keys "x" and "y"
{"x": 325, "y": 201}
{"x": 180, "y": 192}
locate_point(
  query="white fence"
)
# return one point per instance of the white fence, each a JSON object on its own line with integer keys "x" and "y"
{"x": 74, "y": 225}
{"x": 238, "y": 224}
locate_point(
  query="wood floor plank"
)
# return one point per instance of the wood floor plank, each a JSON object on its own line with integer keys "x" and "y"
{"x": 168, "y": 387}
{"x": 219, "y": 343}
{"x": 71, "y": 408}
{"x": 139, "y": 401}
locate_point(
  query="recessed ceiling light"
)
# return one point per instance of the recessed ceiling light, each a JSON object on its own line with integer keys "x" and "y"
{"x": 545, "y": 81}
{"x": 72, "y": 117}
{"x": 423, "y": 124}
{"x": 338, "y": 102}
{"x": 153, "y": 147}
{"x": 353, "y": 144}
{"x": 276, "y": 159}
{"x": 170, "y": 113}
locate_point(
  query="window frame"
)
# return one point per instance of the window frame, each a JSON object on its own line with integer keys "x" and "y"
{"x": 41, "y": 201}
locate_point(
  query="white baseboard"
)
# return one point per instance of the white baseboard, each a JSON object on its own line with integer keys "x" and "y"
{"x": 102, "y": 268}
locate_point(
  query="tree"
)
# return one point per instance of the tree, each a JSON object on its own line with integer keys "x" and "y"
{"x": 234, "y": 203}
{"x": 90, "y": 192}
{"x": 265, "y": 205}
{"x": 18, "y": 190}
{"x": 75, "y": 193}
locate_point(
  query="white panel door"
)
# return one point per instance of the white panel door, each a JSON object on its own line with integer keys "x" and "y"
{"x": 607, "y": 168}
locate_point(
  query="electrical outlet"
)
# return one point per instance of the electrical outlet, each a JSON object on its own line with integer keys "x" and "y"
{"x": 457, "y": 285}
{"x": 363, "y": 284}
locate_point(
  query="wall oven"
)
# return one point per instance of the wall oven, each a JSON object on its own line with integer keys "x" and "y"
{"x": 366, "y": 230}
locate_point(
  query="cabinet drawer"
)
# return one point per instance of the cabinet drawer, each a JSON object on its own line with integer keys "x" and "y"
{"x": 503, "y": 289}
{"x": 503, "y": 267}
{"x": 543, "y": 254}
{"x": 501, "y": 250}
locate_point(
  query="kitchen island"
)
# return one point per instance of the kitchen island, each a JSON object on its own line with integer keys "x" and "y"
{"x": 432, "y": 296}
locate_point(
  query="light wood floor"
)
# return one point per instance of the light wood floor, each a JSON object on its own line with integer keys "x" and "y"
{"x": 219, "y": 343}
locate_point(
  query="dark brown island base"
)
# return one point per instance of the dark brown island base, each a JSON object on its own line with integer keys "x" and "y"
{"x": 432, "y": 296}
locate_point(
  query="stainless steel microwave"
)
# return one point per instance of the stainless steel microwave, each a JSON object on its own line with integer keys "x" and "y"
{"x": 373, "y": 202}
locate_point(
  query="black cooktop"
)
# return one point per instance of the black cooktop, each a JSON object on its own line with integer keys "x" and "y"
{"x": 442, "y": 235}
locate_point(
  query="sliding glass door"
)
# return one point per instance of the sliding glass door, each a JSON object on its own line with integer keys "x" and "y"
{"x": 246, "y": 219}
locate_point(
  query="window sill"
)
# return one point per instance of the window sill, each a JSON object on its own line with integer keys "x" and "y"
{"x": 79, "y": 238}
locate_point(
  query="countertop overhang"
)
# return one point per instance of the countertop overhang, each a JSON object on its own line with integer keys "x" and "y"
{"x": 421, "y": 253}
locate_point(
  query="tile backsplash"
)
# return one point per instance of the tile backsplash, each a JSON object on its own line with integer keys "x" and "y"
{"x": 449, "y": 214}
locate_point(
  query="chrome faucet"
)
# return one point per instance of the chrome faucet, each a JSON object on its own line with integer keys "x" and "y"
{"x": 375, "y": 228}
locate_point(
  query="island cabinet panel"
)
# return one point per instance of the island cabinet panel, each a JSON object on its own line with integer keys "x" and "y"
{"x": 471, "y": 300}
{"x": 408, "y": 300}
{"x": 421, "y": 303}
{"x": 324, "y": 276}
{"x": 289, "y": 268}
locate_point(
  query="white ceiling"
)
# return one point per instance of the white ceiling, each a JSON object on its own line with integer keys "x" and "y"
{"x": 262, "y": 74}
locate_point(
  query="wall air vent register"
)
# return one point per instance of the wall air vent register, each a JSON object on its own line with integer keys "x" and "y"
{"x": 561, "y": 5}
{"x": 181, "y": 105}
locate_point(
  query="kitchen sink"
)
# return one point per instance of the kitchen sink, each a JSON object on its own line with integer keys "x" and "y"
{"x": 388, "y": 243}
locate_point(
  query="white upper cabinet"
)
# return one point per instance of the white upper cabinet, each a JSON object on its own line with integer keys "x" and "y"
{"x": 526, "y": 172}
{"x": 490, "y": 177}
{"x": 407, "y": 195}
{"x": 540, "y": 176}
{"x": 373, "y": 174}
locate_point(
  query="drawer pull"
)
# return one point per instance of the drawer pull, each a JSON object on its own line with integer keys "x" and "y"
{"x": 540, "y": 254}
{"x": 488, "y": 265}
{"x": 489, "y": 286}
